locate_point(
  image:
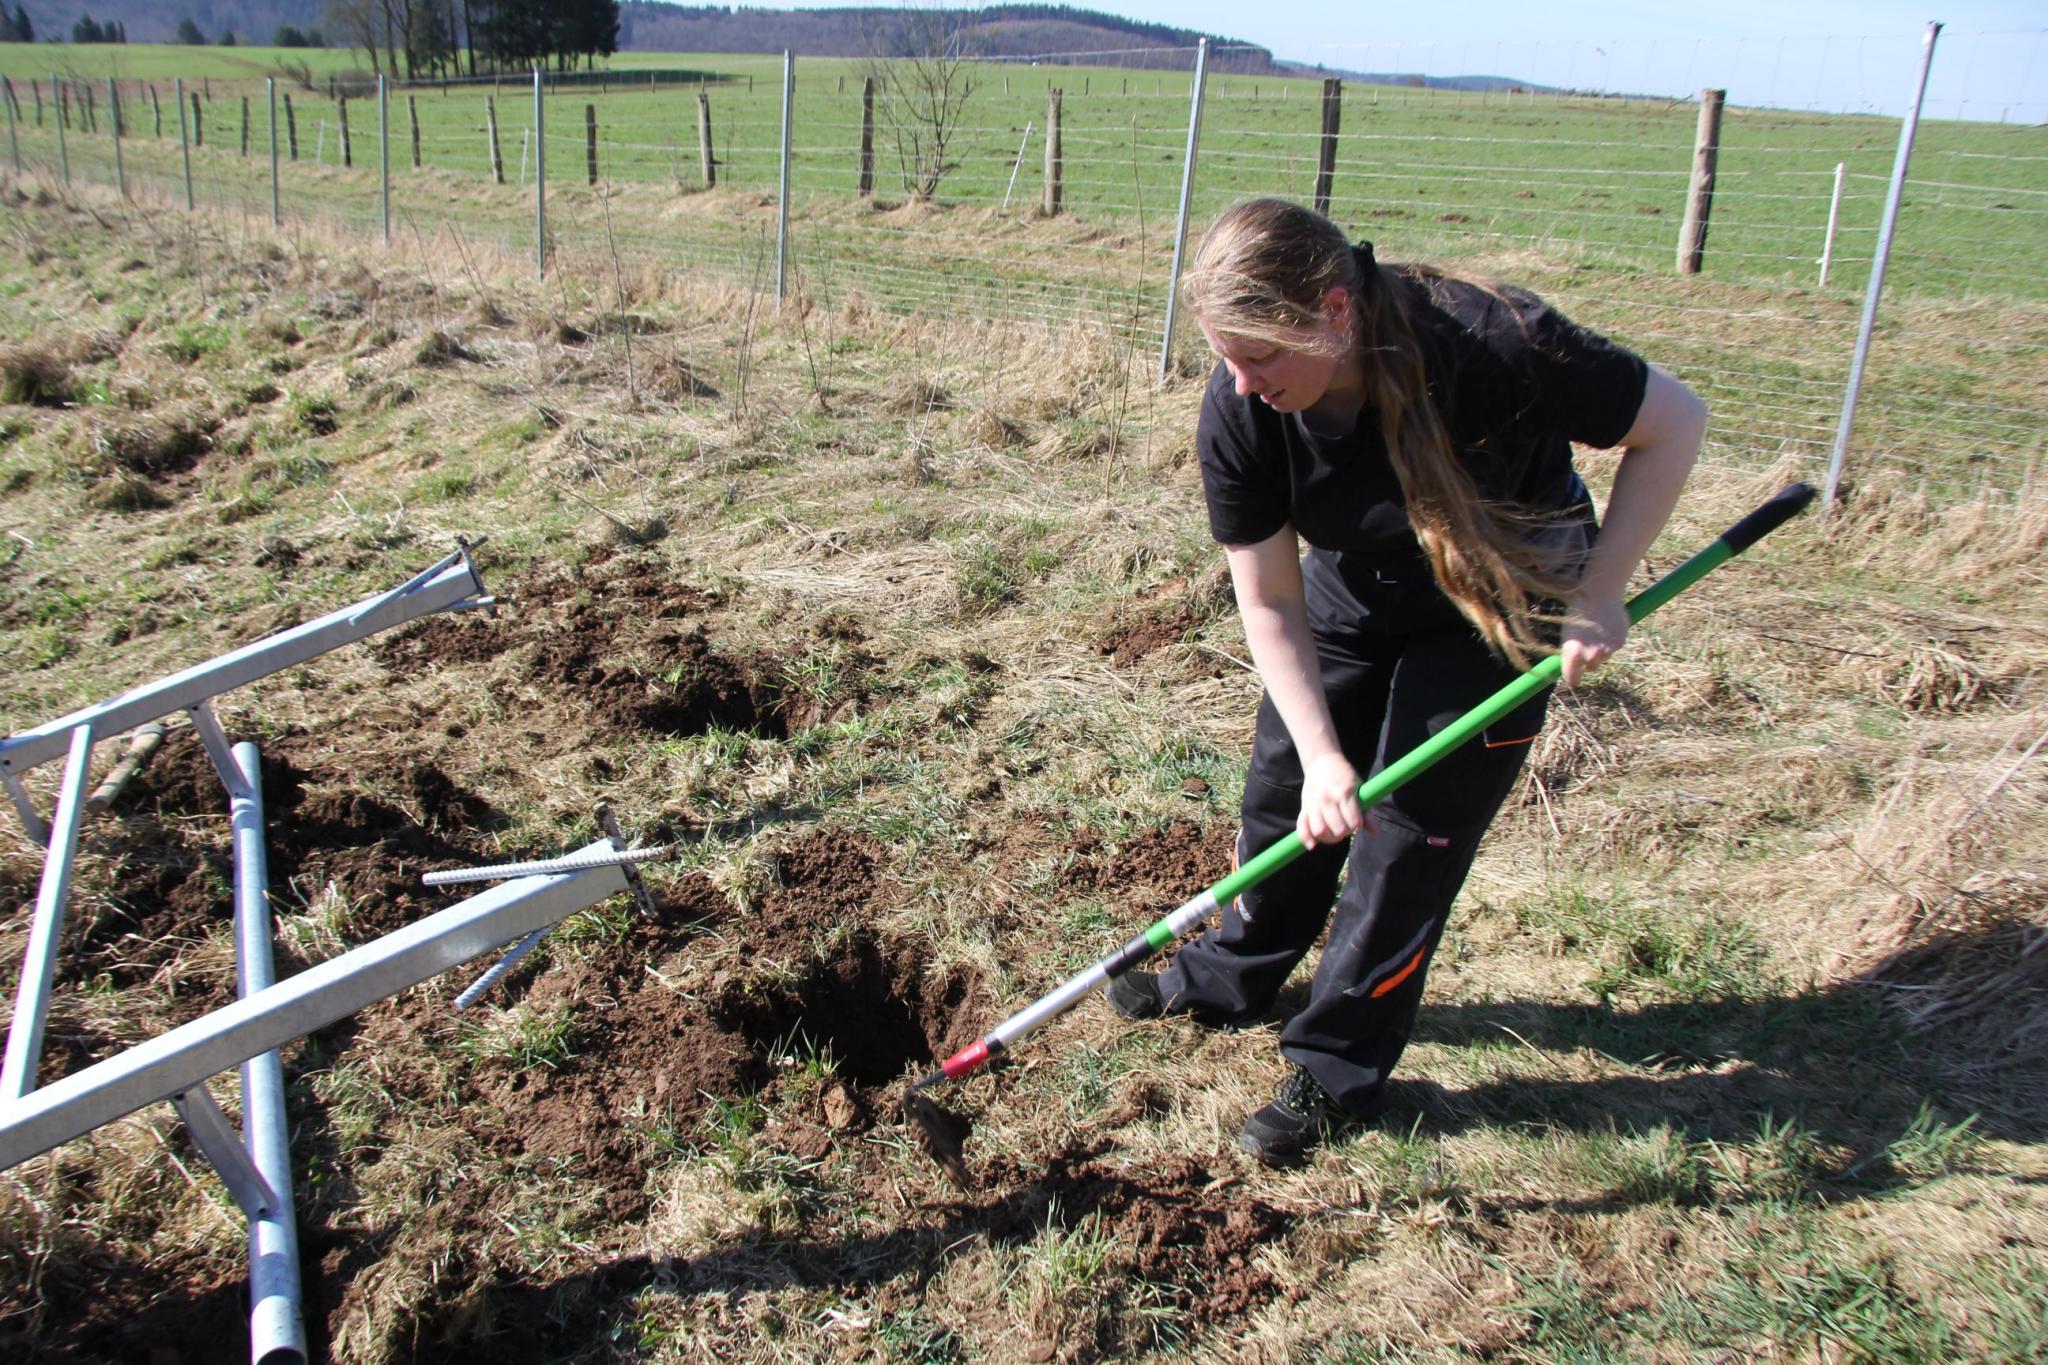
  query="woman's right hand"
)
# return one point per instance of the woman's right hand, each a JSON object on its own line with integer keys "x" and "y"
{"x": 1329, "y": 800}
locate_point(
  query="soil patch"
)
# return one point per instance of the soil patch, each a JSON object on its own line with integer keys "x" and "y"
{"x": 1173, "y": 1225}
{"x": 1160, "y": 868}
{"x": 615, "y": 642}
{"x": 464, "y": 638}
{"x": 642, "y": 1054}
{"x": 819, "y": 976}
{"x": 177, "y": 1310}
{"x": 172, "y": 874}
{"x": 677, "y": 684}
{"x": 1162, "y": 615}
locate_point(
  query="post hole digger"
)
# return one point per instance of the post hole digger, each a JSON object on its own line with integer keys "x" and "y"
{"x": 942, "y": 1132}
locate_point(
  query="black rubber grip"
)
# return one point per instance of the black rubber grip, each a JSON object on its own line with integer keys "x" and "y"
{"x": 1768, "y": 518}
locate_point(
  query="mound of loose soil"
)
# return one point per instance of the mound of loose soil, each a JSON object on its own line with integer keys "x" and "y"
{"x": 1160, "y": 868}
{"x": 820, "y": 975}
{"x": 611, "y": 646}
{"x": 640, "y": 1048}
{"x": 172, "y": 874}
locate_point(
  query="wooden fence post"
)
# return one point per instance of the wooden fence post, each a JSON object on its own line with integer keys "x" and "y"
{"x": 1049, "y": 202}
{"x": 245, "y": 125}
{"x": 866, "y": 185}
{"x": 157, "y": 110}
{"x": 705, "y": 159}
{"x": 590, "y": 138}
{"x": 1699, "y": 196}
{"x": 347, "y": 152}
{"x": 92, "y": 111}
{"x": 412, "y": 111}
{"x": 291, "y": 126}
{"x": 37, "y": 90}
{"x": 1326, "y": 151}
{"x": 497, "y": 156}
{"x": 198, "y": 123}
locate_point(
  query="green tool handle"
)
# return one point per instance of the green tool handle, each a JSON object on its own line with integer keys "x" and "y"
{"x": 1383, "y": 783}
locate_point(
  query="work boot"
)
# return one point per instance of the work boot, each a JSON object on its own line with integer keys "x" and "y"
{"x": 1135, "y": 995}
{"x": 1301, "y": 1115}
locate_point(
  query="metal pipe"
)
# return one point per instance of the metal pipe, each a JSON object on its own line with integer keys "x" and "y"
{"x": 1187, "y": 193}
{"x": 1864, "y": 330}
{"x": 216, "y": 1140}
{"x": 782, "y": 214}
{"x": 384, "y": 150}
{"x": 277, "y": 1321}
{"x": 31, "y": 823}
{"x": 540, "y": 181}
{"x": 176, "y": 1061}
{"x": 215, "y": 741}
{"x": 455, "y": 587}
{"x": 1827, "y": 246}
{"x": 1018, "y": 163}
{"x": 46, "y": 931}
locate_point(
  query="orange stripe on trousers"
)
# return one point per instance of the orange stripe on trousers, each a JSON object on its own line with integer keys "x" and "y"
{"x": 1398, "y": 977}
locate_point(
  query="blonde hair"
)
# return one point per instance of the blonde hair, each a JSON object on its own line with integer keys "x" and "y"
{"x": 1261, "y": 274}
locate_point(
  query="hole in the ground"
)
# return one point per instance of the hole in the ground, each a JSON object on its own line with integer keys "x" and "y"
{"x": 872, "y": 1004}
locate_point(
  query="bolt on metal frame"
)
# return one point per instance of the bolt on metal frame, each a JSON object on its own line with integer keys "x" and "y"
{"x": 255, "y": 1165}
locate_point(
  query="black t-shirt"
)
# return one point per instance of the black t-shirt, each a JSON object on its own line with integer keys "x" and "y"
{"x": 1515, "y": 383}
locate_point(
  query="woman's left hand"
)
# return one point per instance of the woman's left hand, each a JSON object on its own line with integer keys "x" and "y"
{"x": 1594, "y": 628}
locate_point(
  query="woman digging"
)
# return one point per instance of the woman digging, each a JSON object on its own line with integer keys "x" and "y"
{"x": 1414, "y": 429}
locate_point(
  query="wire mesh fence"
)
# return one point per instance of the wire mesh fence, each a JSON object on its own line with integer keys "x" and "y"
{"x": 1578, "y": 192}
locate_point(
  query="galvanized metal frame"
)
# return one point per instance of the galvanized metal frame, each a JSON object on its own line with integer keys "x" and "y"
{"x": 256, "y": 1165}
{"x": 1187, "y": 197}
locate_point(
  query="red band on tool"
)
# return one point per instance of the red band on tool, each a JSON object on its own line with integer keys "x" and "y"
{"x": 965, "y": 1060}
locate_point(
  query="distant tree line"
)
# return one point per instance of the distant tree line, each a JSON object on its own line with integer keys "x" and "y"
{"x": 430, "y": 37}
{"x": 15, "y": 27}
{"x": 89, "y": 30}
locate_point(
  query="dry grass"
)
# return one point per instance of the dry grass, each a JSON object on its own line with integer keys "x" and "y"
{"x": 1737, "y": 1031}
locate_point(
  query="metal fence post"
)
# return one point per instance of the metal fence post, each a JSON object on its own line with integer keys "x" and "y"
{"x": 277, "y": 1319}
{"x": 184, "y": 145}
{"x": 540, "y": 180}
{"x": 384, "y": 150}
{"x": 270, "y": 88}
{"x": 1187, "y": 192}
{"x": 782, "y": 216}
{"x": 1018, "y": 164}
{"x": 1827, "y": 246}
{"x": 1884, "y": 249}
{"x": 63, "y": 156}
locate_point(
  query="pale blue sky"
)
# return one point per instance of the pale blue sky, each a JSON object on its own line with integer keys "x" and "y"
{"x": 1990, "y": 62}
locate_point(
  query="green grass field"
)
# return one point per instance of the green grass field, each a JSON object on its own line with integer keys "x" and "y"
{"x": 1578, "y": 198}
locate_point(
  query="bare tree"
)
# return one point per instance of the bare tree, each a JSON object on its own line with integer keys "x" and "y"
{"x": 923, "y": 77}
{"x": 358, "y": 23}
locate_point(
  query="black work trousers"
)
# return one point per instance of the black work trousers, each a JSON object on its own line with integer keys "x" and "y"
{"x": 1387, "y": 695}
